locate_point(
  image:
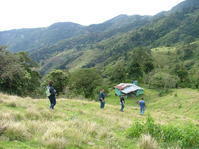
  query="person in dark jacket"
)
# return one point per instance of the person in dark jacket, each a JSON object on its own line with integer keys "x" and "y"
{"x": 52, "y": 94}
{"x": 122, "y": 102}
{"x": 102, "y": 99}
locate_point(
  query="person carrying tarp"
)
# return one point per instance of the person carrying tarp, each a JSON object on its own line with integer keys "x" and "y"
{"x": 51, "y": 94}
{"x": 102, "y": 99}
{"x": 142, "y": 105}
{"x": 122, "y": 102}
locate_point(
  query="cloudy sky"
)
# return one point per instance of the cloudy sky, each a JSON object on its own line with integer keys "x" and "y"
{"x": 41, "y": 13}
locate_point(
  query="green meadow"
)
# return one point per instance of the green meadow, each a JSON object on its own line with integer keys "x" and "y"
{"x": 27, "y": 123}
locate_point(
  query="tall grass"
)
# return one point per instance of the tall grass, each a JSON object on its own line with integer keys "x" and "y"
{"x": 16, "y": 131}
{"x": 185, "y": 136}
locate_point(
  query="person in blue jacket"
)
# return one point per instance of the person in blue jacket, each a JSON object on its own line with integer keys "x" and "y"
{"x": 142, "y": 105}
{"x": 102, "y": 99}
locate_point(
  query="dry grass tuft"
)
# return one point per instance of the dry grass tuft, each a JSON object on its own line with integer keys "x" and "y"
{"x": 32, "y": 114}
{"x": 1, "y": 101}
{"x": 16, "y": 131}
{"x": 54, "y": 137}
{"x": 9, "y": 116}
{"x": 147, "y": 142}
{"x": 53, "y": 132}
{"x": 56, "y": 143}
{"x": 12, "y": 104}
{"x": 2, "y": 127}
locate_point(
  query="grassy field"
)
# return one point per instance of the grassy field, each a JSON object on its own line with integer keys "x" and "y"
{"x": 27, "y": 123}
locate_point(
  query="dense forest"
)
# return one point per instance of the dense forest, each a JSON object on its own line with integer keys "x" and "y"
{"x": 160, "y": 51}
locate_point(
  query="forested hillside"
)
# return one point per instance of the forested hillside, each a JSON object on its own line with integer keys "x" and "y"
{"x": 69, "y": 45}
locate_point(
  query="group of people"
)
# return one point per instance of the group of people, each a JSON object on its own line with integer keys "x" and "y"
{"x": 51, "y": 93}
{"x": 122, "y": 102}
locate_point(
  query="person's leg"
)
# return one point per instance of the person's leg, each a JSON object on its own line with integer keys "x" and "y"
{"x": 51, "y": 102}
{"x": 141, "y": 110}
{"x": 54, "y": 102}
{"x": 122, "y": 107}
{"x": 101, "y": 104}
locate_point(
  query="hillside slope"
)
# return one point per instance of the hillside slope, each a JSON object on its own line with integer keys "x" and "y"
{"x": 167, "y": 29}
{"x": 66, "y": 45}
{"x": 81, "y": 124}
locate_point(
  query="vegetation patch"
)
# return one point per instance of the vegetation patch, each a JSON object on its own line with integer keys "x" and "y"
{"x": 16, "y": 131}
{"x": 185, "y": 136}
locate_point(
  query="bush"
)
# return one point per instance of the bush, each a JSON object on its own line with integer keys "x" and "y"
{"x": 136, "y": 130}
{"x": 184, "y": 136}
{"x": 162, "y": 80}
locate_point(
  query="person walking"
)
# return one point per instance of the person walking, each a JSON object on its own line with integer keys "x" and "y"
{"x": 102, "y": 99}
{"x": 51, "y": 93}
{"x": 122, "y": 102}
{"x": 142, "y": 105}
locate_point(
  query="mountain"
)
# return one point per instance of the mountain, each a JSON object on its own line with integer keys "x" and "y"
{"x": 71, "y": 46}
{"x": 30, "y": 39}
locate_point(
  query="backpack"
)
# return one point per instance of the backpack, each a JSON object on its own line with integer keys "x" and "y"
{"x": 48, "y": 91}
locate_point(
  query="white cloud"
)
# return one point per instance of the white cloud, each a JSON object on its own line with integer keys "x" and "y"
{"x": 38, "y": 13}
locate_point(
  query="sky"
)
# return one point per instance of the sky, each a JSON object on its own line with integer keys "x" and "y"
{"x": 42, "y": 13}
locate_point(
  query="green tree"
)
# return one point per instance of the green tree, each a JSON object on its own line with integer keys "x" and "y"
{"x": 59, "y": 79}
{"x": 85, "y": 82}
{"x": 162, "y": 80}
{"x": 15, "y": 77}
{"x": 118, "y": 73}
{"x": 140, "y": 62}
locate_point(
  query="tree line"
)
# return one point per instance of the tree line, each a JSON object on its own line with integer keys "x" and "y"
{"x": 19, "y": 75}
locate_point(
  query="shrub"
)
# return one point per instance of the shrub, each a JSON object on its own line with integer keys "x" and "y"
{"x": 136, "y": 130}
{"x": 162, "y": 80}
{"x": 184, "y": 136}
{"x": 151, "y": 128}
